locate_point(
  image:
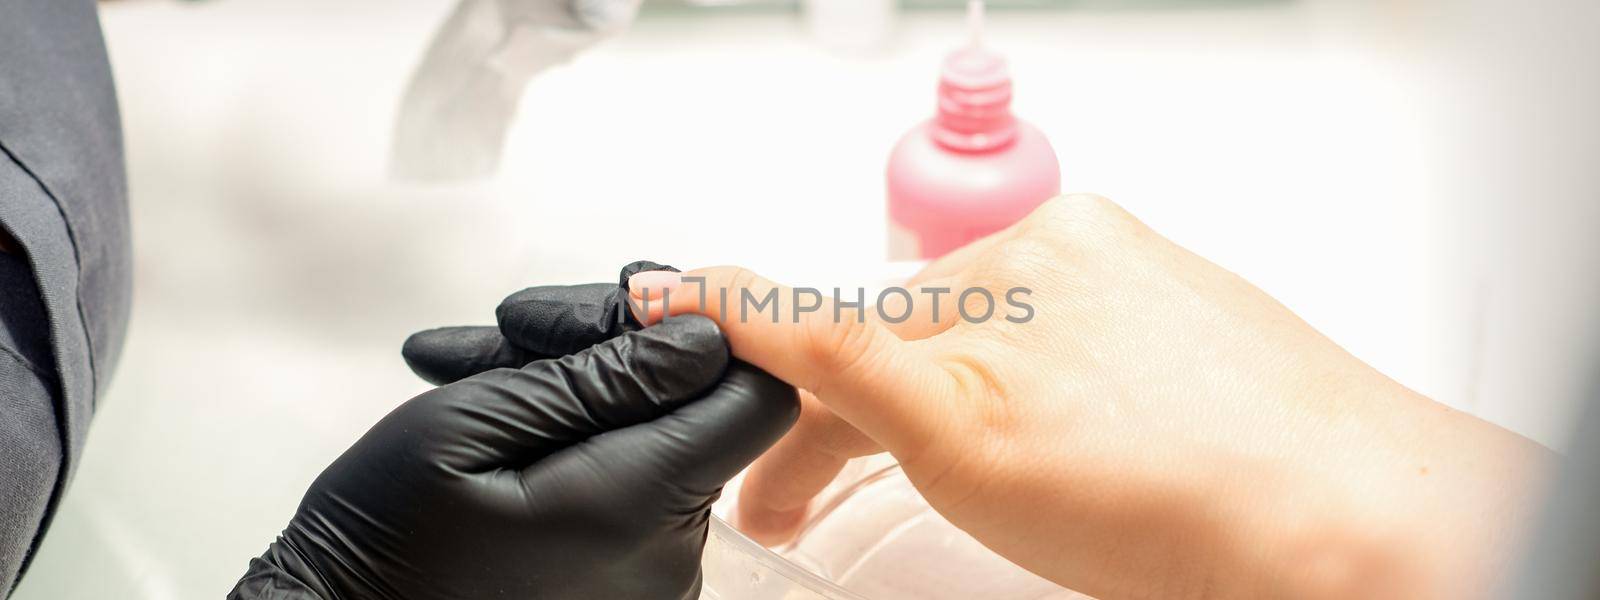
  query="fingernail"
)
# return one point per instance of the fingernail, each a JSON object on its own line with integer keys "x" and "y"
{"x": 653, "y": 285}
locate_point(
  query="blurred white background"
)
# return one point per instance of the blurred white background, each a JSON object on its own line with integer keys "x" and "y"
{"x": 1338, "y": 154}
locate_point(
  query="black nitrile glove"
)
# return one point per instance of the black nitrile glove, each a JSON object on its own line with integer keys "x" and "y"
{"x": 538, "y": 322}
{"x": 586, "y": 477}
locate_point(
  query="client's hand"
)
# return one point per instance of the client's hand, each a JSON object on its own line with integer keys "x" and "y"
{"x": 1151, "y": 426}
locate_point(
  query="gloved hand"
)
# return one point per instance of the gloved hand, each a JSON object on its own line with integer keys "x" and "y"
{"x": 588, "y": 476}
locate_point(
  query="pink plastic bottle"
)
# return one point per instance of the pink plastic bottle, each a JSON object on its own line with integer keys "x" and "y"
{"x": 971, "y": 170}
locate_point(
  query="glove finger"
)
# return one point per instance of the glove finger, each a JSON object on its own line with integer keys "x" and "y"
{"x": 561, "y": 319}
{"x": 448, "y": 354}
{"x": 541, "y": 322}
{"x": 555, "y": 320}
{"x": 538, "y": 322}
{"x": 513, "y": 418}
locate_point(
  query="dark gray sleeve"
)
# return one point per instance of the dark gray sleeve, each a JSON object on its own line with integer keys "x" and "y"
{"x": 63, "y": 198}
{"x": 30, "y": 439}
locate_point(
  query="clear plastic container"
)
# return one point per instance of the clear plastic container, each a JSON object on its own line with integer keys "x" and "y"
{"x": 737, "y": 568}
{"x": 869, "y": 536}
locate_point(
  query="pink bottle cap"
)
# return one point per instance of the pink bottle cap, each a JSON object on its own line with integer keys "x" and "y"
{"x": 975, "y": 96}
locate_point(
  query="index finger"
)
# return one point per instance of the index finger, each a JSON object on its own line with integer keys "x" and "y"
{"x": 890, "y": 389}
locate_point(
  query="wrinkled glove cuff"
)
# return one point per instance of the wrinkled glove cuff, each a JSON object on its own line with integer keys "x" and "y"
{"x": 280, "y": 574}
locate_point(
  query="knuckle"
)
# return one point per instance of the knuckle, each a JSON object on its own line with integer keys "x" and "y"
{"x": 1080, "y": 219}
{"x": 1085, "y": 206}
{"x": 843, "y": 346}
{"x": 986, "y": 429}
{"x": 1027, "y": 256}
{"x": 732, "y": 284}
{"x": 740, "y": 278}
{"x": 1028, "y": 261}
{"x": 719, "y": 284}
{"x": 980, "y": 387}
{"x": 991, "y": 417}
{"x": 1059, "y": 211}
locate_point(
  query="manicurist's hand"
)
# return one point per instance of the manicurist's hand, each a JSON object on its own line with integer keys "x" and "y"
{"x": 1155, "y": 426}
{"x": 585, "y": 476}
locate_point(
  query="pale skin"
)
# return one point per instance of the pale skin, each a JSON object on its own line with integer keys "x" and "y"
{"x": 1160, "y": 428}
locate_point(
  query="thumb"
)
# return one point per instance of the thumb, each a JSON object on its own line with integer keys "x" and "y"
{"x": 703, "y": 444}
{"x": 516, "y": 417}
{"x": 890, "y": 389}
